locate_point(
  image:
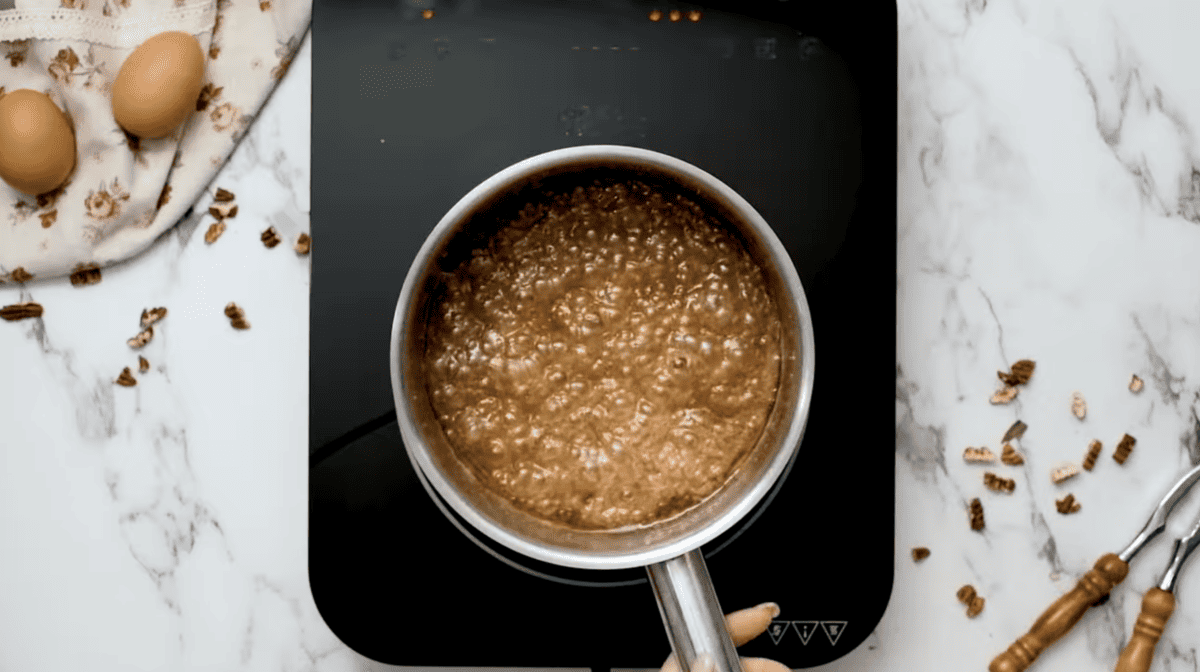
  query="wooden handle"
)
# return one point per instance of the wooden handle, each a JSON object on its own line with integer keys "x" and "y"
{"x": 1157, "y": 607}
{"x": 1066, "y": 611}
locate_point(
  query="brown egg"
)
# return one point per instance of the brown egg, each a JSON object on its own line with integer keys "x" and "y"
{"x": 37, "y": 144}
{"x": 158, "y": 85}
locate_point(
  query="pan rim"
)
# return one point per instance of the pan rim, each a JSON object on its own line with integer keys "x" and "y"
{"x": 671, "y": 546}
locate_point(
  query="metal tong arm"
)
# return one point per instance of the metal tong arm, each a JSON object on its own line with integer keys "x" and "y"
{"x": 1109, "y": 570}
{"x": 1158, "y": 519}
{"x": 1157, "y": 607}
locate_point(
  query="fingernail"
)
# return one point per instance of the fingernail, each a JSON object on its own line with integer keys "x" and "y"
{"x": 770, "y": 605}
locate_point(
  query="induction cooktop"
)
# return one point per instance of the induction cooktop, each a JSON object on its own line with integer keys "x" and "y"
{"x": 415, "y": 102}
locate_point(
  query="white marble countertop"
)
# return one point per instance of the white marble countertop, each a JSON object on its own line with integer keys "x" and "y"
{"x": 1049, "y": 209}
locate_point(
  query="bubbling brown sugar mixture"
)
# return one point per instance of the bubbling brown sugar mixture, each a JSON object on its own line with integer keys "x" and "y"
{"x": 608, "y": 359}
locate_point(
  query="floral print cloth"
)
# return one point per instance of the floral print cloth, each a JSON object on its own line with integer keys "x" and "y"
{"x": 124, "y": 191}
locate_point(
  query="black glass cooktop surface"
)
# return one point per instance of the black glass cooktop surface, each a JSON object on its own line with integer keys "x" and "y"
{"x": 415, "y": 102}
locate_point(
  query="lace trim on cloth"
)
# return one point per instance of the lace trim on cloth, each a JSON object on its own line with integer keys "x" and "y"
{"x": 119, "y": 33}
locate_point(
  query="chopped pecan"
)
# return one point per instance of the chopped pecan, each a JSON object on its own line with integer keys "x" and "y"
{"x": 1019, "y": 374}
{"x": 85, "y": 275}
{"x": 1015, "y": 431}
{"x": 223, "y": 196}
{"x": 152, "y": 315}
{"x": 966, "y": 594}
{"x": 976, "y": 514}
{"x": 126, "y": 378}
{"x": 1067, "y": 504}
{"x": 1004, "y": 396}
{"x": 270, "y": 237}
{"x": 237, "y": 316}
{"x": 1124, "y": 448}
{"x": 1064, "y": 472}
{"x": 1011, "y": 457}
{"x": 21, "y": 311}
{"x": 214, "y": 232}
{"x": 1078, "y": 406}
{"x": 141, "y": 339}
{"x": 920, "y": 553}
{"x": 1089, "y": 462}
{"x": 980, "y": 455}
{"x": 20, "y": 275}
{"x": 303, "y": 244}
{"x": 998, "y": 483}
{"x": 143, "y": 364}
{"x": 975, "y": 607}
{"x": 223, "y": 211}
{"x": 1135, "y": 384}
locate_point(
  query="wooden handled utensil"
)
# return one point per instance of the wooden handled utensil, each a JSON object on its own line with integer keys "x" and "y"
{"x": 1157, "y": 606}
{"x": 1108, "y": 571}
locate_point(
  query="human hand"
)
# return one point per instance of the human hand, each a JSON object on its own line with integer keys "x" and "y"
{"x": 743, "y": 626}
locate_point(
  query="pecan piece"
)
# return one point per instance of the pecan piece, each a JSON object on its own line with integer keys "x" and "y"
{"x": 142, "y": 338}
{"x": 21, "y": 311}
{"x": 1019, "y": 374}
{"x": 1124, "y": 448}
{"x": 126, "y": 378}
{"x": 223, "y": 211}
{"x": 975, "y": 607}
{"x": 303, "y": 244}
{"x": 143, "y": 364}
{"x": 966, "y": 594}
{"x": 1136, "y": 384}
{"x": 270, "y": 237}
{"x": 979, "y": 455}
{"x": 1011, "y": 457}
{"x": 1089, "y": 461}
{"x": 223, "y": 196}
{"x": 19, "y": 274}
{"x": 237, "y": 316}
{"x": 1078, "y": 406}
{"x": 920, "y": 553}
{"x": 976, "y": 514}
{"x": 86, "y": 275}
{"x": 1004, "y": 396}
{"x": 1016, "y": 431}
{"x": 1064, "y": 472}
{"x": 214, "y": 232}
{"x": 152, "y": 315}
{"x": 998, "y": 483}
{"x": 1066, "y": 504}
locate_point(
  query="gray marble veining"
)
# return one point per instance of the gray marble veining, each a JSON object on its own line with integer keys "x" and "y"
{"x": 1049, "y": 209}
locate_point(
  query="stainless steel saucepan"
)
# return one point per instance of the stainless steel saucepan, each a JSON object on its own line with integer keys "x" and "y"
{"x": 670, "y": 549}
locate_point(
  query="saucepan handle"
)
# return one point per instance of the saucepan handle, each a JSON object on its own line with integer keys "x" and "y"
{"x": 694, "y": 620}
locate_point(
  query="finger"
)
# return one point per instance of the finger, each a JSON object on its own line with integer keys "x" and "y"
{"x": 762, "y": 665}
{"x": 747, "y": 624}
{"x": 743, "y": 626}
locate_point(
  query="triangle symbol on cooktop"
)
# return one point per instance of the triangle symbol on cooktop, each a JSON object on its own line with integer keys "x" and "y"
{"x": 777, "y": 630}
{"x": 833, "y": 630}
{"x": 805, "y": 629}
